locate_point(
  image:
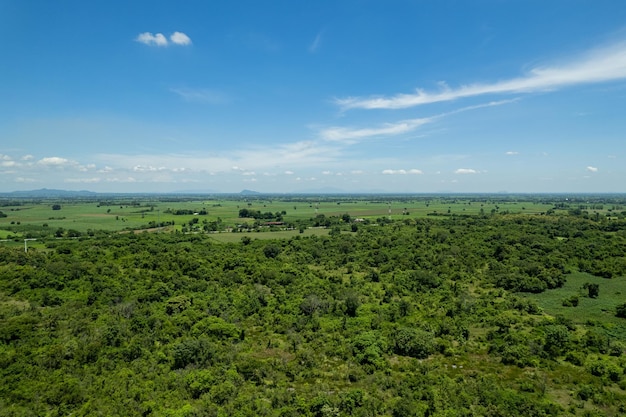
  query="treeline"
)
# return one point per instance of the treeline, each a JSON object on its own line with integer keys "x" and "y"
{"x": 258, "y": 215}
{"x": 181, "y": 212}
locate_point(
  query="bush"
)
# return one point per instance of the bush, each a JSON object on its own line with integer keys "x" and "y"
{"x": 593, "y": 290}
{"x": 571, "y": 301}
{"x": 369, "y": 348}
{"x": 415, "y": 343}
{"x": 557, "y": 340}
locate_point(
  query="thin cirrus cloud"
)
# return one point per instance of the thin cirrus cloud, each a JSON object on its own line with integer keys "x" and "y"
{"x": 158, "y": 39}
{"x": 353, "y": 135}
{"x": 595, "y": 66}
{"x": 338, "y": 134}
{"x": 200, "y": 95}
{"x": 316, "y": 43}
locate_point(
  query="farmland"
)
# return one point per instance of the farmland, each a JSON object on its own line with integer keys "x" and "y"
{"x": 120, "y": 213}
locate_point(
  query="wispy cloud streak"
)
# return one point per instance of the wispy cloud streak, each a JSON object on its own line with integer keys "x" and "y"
{"x": 339, "y": 134}
{"x": 598, "y": 65}
{"x": 316, "y": 43}
{"x": 353, "y": 135}
{"x": 200, "y": 95}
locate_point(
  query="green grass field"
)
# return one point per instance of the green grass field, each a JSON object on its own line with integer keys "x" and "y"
{"x": 589, "y": 310}
{"x": 84, "y": 216}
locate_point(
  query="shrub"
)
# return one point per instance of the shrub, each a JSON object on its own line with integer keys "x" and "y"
{"x": 571, "y": 301}
{"x": 593, "y": 290}
{"x": 415, "y": 343}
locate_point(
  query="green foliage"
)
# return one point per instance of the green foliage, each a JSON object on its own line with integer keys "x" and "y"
{"x": 413, "y": 317}
{"x": 271, "y": 251}
{"x": 593, "y": 290}
{"x": 192, "y": 351}
{"x": 557, "y": 340}
{"x": 369, "y": 349}
{"x": 414, "y": 342}
{"x": 571, "y": 301}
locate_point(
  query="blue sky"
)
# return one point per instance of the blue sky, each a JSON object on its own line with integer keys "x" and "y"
{"x": 293, "y": 96}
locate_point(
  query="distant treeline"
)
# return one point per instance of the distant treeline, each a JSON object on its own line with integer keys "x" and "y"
{"x": 182, "y": 212}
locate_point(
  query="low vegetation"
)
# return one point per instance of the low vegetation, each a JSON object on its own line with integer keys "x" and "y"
{"x": 492, "y": 314}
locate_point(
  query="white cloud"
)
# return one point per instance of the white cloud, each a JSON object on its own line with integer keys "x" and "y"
{"x": 402, "y": 172}
{"x": 598, "y": 65}
{"x": 23, "y": 179}
{"x": 465, "y": 171}
{"x": 288, "y": 172}
{"x": 357, "y": 172}
{"x": 27, "y": 157}
{"x": 148, "y": 38}
{"x": 279, "y": 158}
{"x": 512, "y": 153}
{"x": 249, "y": 173}
{"x": 147, "y": 168}
{"x": 8, "y": 163}
{"x": 159, "y": 39}
{"x": 592, "y": 169}
{"x": 327, "y": 173}
{"x": 388, "y": 129}
{"x": 54, "y": 161}
{"x": 351, "y": 135}
{"x": 5, "y": 157}
{"x": 179, "y": 38}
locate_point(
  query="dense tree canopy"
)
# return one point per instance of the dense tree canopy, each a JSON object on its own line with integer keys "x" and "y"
{"x": 418, "y": 317}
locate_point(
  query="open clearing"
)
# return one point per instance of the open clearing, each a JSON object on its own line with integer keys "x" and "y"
{"x": 590, "y": 311}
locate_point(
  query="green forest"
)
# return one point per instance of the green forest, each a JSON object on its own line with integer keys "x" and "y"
{"x": 467, "y": 311}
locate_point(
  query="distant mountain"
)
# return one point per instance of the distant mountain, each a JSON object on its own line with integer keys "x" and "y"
{"x": 249, "y": 192}
{"x": 49, "y": 193}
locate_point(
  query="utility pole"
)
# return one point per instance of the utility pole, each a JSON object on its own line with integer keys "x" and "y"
{"x": 26, "y": 245}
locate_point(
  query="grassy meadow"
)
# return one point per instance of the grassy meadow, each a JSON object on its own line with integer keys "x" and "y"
{"x": 598, "y": 311}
